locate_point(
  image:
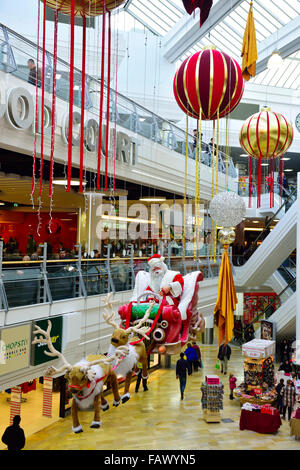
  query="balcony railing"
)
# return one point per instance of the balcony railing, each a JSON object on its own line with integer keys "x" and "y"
{"x": 15, "y": 50}
{"x": 24, "y": 283}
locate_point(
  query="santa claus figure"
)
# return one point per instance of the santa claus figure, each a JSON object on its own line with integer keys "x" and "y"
{"x": 176, "y": 316}
{"x": 162, "y": 281}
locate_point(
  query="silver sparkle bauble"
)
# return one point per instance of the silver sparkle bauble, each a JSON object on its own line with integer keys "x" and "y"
{"x": 227, "y": 209}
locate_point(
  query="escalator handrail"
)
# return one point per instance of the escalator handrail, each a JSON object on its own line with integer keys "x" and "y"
{"x": 269, "y": 223}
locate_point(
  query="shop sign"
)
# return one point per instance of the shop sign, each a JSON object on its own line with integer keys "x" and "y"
{"x": 18, "y": 107}
{"x": 38, "y": 350}
{"x": 15, "y": 343}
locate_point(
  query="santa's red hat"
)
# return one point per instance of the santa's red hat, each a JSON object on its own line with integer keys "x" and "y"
{"x": 155, "y": 259}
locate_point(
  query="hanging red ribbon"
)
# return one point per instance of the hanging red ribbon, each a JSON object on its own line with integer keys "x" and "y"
{"x": 82, "y": 102}
{"x": 70, "y": 138}
{"x": 250, "y": 181}
{"x": 36, "y": 101}
{"x": 116, "y": 97}
{"x": 259, "y": 183}
{"x": 43, "y": 100}
{"x": 108, "y": 98}
{"x": 281, "y": 178}
{"x": 53, "y": 103}
{"x": 101, "y": 98}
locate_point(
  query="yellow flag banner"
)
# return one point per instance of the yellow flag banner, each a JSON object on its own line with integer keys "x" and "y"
{"x": 249, "y": 51}
{"x": 226, "y": 301}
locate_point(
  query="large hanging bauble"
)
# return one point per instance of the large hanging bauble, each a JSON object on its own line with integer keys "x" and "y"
{"x": 227, "y": 209}
{"x": 266, "y": 134}
{"x": 84, "y": 7}
{"x": 209, "y": 80}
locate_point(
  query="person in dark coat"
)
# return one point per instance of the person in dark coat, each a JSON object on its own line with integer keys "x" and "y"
{"x": 224, "y": 356}
{"x": 278, "y": 389}
{"x": 198, "y": 352}
{"x": 288, "y": 394}
{"x": 181, "y": 368}
{"x": 191, "y": 357}
{"x": 286, "y": 367}
{"x": 285, "y": 351}
{"x": 14, "y": 436}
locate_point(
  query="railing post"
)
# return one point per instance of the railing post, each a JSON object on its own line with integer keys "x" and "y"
{"x": 111, "y": 286}
{"x": 3, "y": 296}
{"x": 82, "y": 289}
{"x": 47, "y": 292}
{"x": 132, "y": 266}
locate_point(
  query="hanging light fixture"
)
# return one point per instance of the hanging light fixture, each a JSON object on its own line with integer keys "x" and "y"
{"x": 274, "y": 61}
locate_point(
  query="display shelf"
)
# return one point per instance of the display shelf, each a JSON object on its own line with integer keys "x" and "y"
{"x": 212, "y": 400}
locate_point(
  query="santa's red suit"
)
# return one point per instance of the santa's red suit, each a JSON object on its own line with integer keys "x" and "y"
{"x": 158, "y": 279}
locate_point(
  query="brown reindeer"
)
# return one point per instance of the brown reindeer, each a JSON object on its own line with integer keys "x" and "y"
{"x": 137, "y": 352}
{"x": 85, "y": 379}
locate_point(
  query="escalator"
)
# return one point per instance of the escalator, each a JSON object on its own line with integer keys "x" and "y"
{"x": 271, "y": 248}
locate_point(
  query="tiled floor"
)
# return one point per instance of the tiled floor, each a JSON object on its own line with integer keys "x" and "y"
{"x": 158, "y": 420}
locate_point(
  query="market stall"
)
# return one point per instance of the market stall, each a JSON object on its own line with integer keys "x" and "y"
{"x": 263, "y": 419}
{"x": 258, "y": 386}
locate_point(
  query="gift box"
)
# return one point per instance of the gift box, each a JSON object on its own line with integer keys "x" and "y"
{"x": 212, "y": 379}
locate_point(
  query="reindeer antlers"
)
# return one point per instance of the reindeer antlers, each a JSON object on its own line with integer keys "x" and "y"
{"x": 142, "y": 330}
{"x": 46, "y": 339}
{"x": 109, "y": 317}
{"x": 119, "y": 353}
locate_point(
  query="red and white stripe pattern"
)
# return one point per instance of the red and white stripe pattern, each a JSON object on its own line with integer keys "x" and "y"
{"x": 47, "y": 397}
{"x": 15, "y": 403}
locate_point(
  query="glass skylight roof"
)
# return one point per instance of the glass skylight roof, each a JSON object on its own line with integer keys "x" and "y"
{"x": 158, "y": 16}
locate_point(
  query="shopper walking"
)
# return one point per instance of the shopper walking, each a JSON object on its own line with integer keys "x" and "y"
{"x": 278, "y": 389}
{"x": 181, "y": 368}
{"x": 192, "y": 358}
{"x": 140, "y": 378}
{"x": 198, "y": 352}
{"x": 232, "y": 385}
{"x": 288, "y": 394}
{"x": 14, "y": 436}
{"x": 286, "y": 367}
{"x": 224, "y": 356}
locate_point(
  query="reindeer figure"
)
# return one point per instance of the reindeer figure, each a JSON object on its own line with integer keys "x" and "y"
{"x": 137, "y": 352}
{"x": 86, "y": 379}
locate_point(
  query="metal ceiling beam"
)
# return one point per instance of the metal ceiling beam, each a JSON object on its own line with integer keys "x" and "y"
{"x": 187, "y": 31}
{"x": 286, "y": 40}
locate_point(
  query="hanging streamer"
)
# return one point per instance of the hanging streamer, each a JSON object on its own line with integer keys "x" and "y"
{"x": 70, "y": 137}
{"x": 108, "y": 98}
{"x": 196, "y": 192}
{"x": 185, "y": 185}
{"x": 212, "y": 188}
{"x": 250, "y": 181}
{"x": 53, "y": 105}
{"x": 82, "y": 102}
{"x": 43, "y": 101}
{"x": 101, "y": 98}
{"x": 259, "y": 182}
{"x": 281, "y": 178}
{"x": 116, "y": 97}
{"x": 36, "y": 103}
{"x": 226, "y": 158}
{"x": 217, "y": 182}
{"x": 198, "y": 177}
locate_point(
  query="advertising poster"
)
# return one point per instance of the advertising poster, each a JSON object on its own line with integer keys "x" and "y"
{"x": 38, "y": 355}
{"x": 15, "y": 343}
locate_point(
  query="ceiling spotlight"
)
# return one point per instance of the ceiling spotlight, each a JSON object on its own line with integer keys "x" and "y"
{"x": 152, "y": 199}
{"x": 286, "y": 159}
{"x": 244, "y": 155}
{"x": 289, "y": 169}
{"x": 274, "y": 61}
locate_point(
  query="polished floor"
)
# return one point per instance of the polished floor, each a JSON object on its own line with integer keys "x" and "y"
{"x": 159, "y": 420}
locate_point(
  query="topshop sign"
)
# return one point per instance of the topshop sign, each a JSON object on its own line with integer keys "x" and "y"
{"x": 18, "y": 107}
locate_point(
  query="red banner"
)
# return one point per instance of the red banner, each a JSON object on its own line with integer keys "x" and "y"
{"x": 47, "y": 397}
{"x": 15, "y": 403}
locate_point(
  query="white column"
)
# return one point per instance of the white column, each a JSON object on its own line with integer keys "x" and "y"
{"x": 298, "y": 277}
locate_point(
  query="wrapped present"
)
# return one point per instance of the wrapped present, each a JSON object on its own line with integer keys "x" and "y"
{"x": 212, "y": 379}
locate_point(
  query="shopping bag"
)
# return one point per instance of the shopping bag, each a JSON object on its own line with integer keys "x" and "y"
{"x": 217, "y": 365}
{"x": 201, "y": 364}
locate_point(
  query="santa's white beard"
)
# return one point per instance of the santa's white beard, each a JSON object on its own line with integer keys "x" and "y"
{"x": 155, "y": 279}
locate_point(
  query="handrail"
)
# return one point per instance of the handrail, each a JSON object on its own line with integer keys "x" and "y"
{"x": 254, "y": 243}
{"x": 89, "y": 78}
